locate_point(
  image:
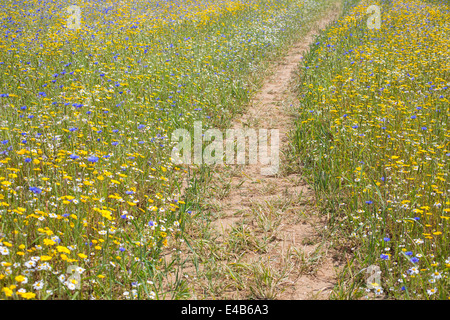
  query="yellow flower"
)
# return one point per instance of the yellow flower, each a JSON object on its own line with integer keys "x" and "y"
{"x": 49, "y": 242}
{"x": 45, "y": 258}
{"x": 8, "y": 292}
{"x": 28, "y": 295}
{"x": 62, "y": 249}
{"x": 82, "y": 256}
{"x": 19, "y": 278}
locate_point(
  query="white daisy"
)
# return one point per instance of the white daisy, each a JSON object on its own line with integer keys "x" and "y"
{"x": 38, "y": 285}
{"x": 431, "y": 291}
{"x": 4, "y": 251}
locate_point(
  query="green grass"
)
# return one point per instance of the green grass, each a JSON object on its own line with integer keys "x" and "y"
{"x": 373, "y": 138}
{"x": 86, "y": 116}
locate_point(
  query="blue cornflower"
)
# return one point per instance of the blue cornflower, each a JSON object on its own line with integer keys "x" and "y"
{"x": 151, "y": 223}
{"x": 409, "y": 253}
{"x": 28, "y": 160}
{"x": 115, "y": 143}
{"x": 384, "y": 256}
{"x": 74, "y": 156}
{"x": 93, "y": 159}
{"x": 387, "y": 239}
{"x": 414, "y": 260}
{"x": 35, "y": 190}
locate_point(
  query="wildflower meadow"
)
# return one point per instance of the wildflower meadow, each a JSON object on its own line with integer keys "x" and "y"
{"x": 92, "y": 205}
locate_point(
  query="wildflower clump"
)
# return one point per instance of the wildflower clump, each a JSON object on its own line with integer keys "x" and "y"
{"x": 373, "y": 133}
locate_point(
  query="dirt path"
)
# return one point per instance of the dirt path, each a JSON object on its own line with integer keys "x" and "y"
{"x": 264, "y": 241}
{"x": 278, "y": 207}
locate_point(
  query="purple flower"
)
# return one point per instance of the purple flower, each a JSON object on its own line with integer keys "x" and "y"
{"x": 93, "y": 159}
{"x": 414, "y": 260}
{"x": 387, "y": 239}
{"x": 384, "y": 256}
{"x": 151, "y": 223}
{"x": 35, "y": 190}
